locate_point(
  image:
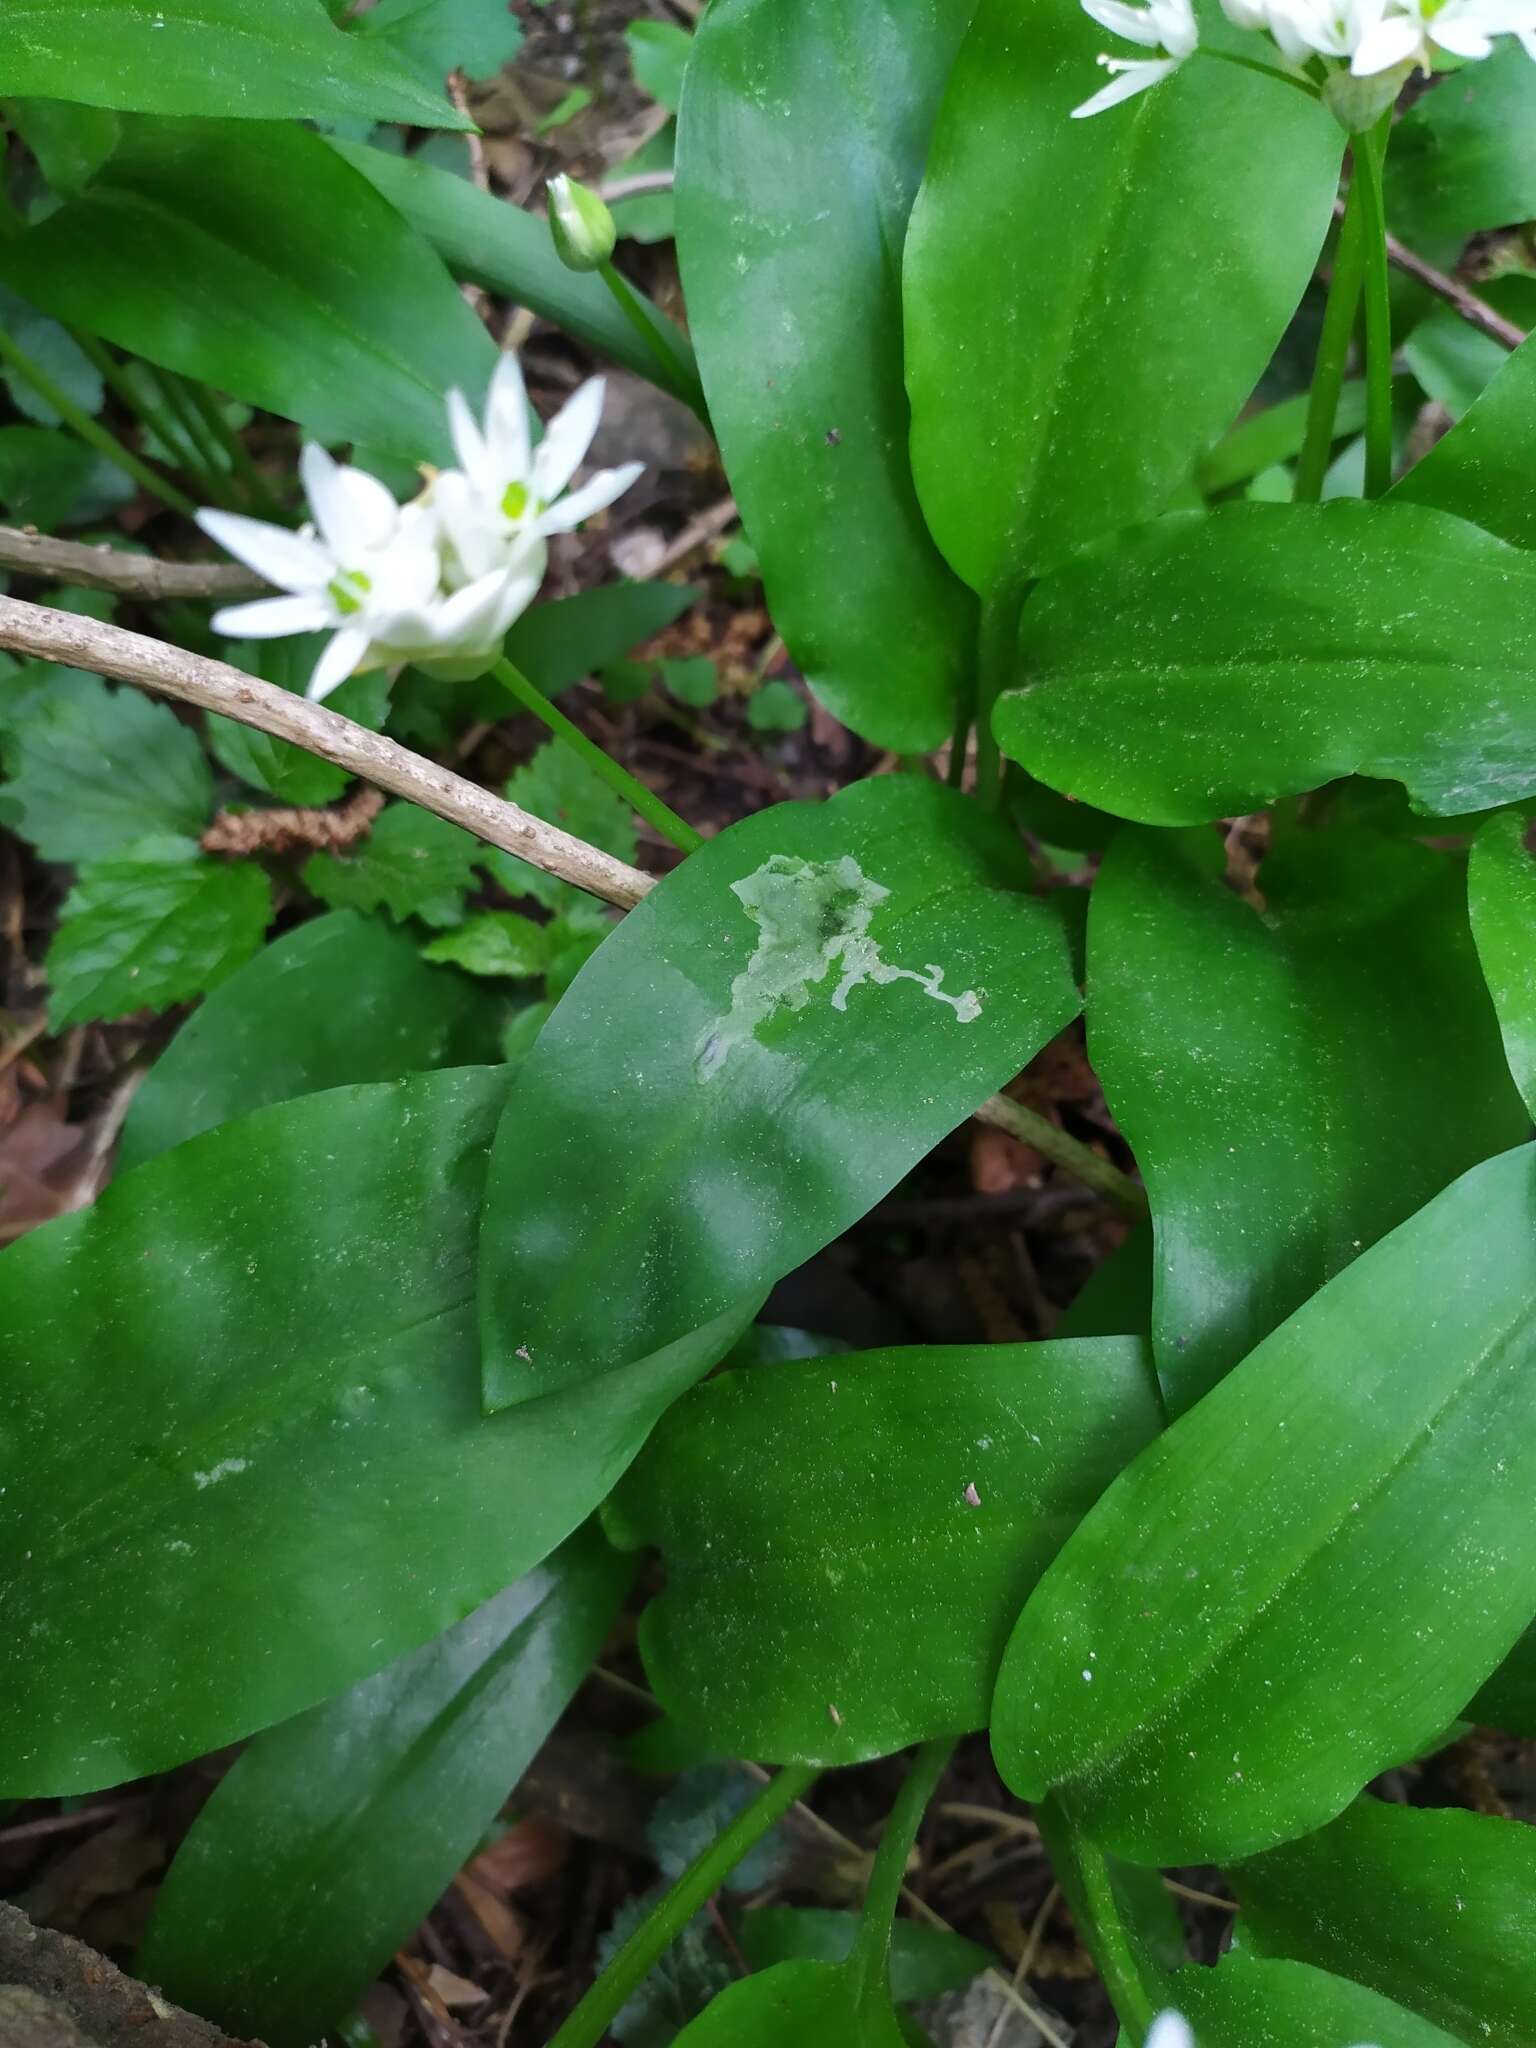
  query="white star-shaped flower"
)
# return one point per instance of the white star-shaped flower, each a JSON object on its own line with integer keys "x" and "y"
{"x": 1165, "y": 25}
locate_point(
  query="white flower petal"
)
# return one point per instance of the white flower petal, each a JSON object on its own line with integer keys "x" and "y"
{"x": 1133, "y": 78}
{"x": 342, "y": 654}
{"x": 353, "y": 510}
{"x": 476, "y": 542}
{"x": 1387, "y": 44}
{"x": 270, "y": 618}
{"x": 1462, "y": 35}
{"x": 594, "y": 494}
{"x": 469, "y": 443}
{"x": 1135, "y": 24}
{"x": 292, "y": 561}
{"x": 507, "y": 431}
{"x": 566, "y": 440}
{"x": 1170, "y": 2030}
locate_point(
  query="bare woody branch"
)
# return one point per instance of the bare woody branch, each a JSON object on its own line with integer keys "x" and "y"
{"x": 115, "y": 569}
{"x": 1460, "y": 297}
{"x": 172, "y": 672}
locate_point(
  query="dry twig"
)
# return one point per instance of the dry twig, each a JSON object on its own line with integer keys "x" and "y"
{"x": 1475, "y": 311}
{"x": 115, "y": 569}
{"x": 212, "y": 685}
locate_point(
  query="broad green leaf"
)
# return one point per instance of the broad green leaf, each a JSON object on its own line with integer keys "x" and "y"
{"x": 559, "y": 787}
{"x": 71, "y": 143}
{"x": 412, "y": 864}
{"x": 1209, "y": 665}
{"x": 495, "y": 244}
{"x": 56, "y": 354}
{"x": 815, "y": 2005}
{"x": 253, "y": 258}
{"x": 341, "y": 999}
{"x": 1481, "y": 469}
{"x": 1273, "y": 436}
{"x": 276, "y": 60}
{"x": 48, "y": 479}
{"x": 93, "y": 769}
{"x": 1502, "y": 891}
{"x": 1312, "y": 1109}
{"x": 758, "y": 1053}
{"x": 925, "y": 1961}
{"x": 658, "y": 56}
{"x": 848, "y": 1540}
{"x": 1463, "y": 158}
{"x": 1089, "y": 303}
{"x": 557, "y": 643}
{"x": 1251, "y": 2001}
{"x": 1369, "y": 1470}
{"x": 1456, "y": 362}
{"x": 246, "y": 1462}
{"x": 1508, "y": 1700}
{"x": 435, "y": 37}
{"x": 1432, "y": 1909}
{"x": 497, "y": 942}
{"x": 801, "y": 145}
{"x": 150, "y": 926}
{"x": 334, "y": 1835}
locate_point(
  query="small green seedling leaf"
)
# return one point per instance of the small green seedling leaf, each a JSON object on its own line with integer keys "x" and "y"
{"x": 412, "y": 864}
{"x": 496, "y": 943}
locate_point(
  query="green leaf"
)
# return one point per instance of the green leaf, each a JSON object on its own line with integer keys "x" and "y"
{"x": 806, "y": 1514}
{"x": 1432, "y": 1909}
{"x": 497, "y": 942}
{"x": 1275, "y": 435}
{"x": 775, "y": 707}
{"x": 1089, "y": 303}
{"x": 246, "y": 1461}
{"x": 93, "y": 769}
{"x": 816, "y": 2005}
{"x": 233, "y": 252}
{"x": 49, "y": 479}
{"x": 1481, "y": 469}
{"x": 1456, "y": 362}
{"x": 759, "y": 1052}
{"x": 1502, "y": 891}
{"x": 1463, "y": 158}
{"x": 559, "y": 787}
{"x": 334, "y": 1835}
{"x": 435, "y": 37}
{"x": 150, "y": 926}
{"x": 1250, "y": 2001}
{"x": 691, "y": 679}
{"x": 1318, "y": 1110}
{"x": 412, "y": 864}
{"x": 1369, "y": 1469}
{"x": 925, "y": 1961}
{"x": 507, "y": 250}
{"x": 277, "y": 61}
{"x": 658, "y": 56}
{"x": 1508, "y": 1700}
{"x": 55, "y": 353}
{"x": 800, "y": 148}
{"x": 557, "y": 643}
{"x": 341, "y": 999}
{"x": 1384, "y": 640}
{"x": 71, "y": 143}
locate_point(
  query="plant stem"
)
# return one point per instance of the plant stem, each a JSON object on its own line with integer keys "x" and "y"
{"x": 1065, "y": 1151}
{"x": 871, "y": 1950}
{"x": 995, "y": 649}
{"x": 261, "y": 492}
{"x": 91, "y": 431}
{"x": 634, "y": 793}
{"x": 144, "y": 408}
{"x": 1370, "y": 158}
{"x": 1084, "y": 1877}
{"x": 1333, "y": 349}
{"x": 680, "y": 377}
{"x": 588, "y": 2024}
{"x": 207, "y": 454}
{"x": 1302, "y": 85}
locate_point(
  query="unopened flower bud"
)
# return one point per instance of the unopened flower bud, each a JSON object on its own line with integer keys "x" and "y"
{"x": 581, "y": 225}
{"x": 1359, "y": 103}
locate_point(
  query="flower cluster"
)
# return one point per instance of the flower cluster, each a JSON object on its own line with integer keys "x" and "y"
{"x": 1170, "y": 2030}
{"x": 436, "y": 582}
{"x": 1356, "y": 39}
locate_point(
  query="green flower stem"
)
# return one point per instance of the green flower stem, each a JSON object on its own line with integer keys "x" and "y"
{"x": 870, "y": 1955}
{"x": 1302, "y": 85}
{"x": 681, "y": 377}
{"x": 590, "y": 2021}
{"x": 1370, "y": 159}
{"x": 91, "y": 431}
{"x": 1333, "y": 349}
{"x": 1084, "y": 1878}
{"x": 995, "y": 650}
{"x": 1065, "y": 1151}
{"x": 259, "y": 490}
{"x": 634, "y": 793}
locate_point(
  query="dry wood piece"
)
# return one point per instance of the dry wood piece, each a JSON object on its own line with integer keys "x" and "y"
{"x": 295, "y": 830}
{"x": 57, "y": 1993}
{"x": 115, "y": 569}
{"x": 214, "y": 686}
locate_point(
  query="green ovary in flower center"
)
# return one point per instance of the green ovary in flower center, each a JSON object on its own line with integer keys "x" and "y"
{"x": 348, "y": 590}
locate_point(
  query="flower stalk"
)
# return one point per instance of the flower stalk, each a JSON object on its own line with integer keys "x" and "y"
{"x": 1344, "y": 290}
{"x": 90, "y": 431}
{"x": 1370, "y": 159}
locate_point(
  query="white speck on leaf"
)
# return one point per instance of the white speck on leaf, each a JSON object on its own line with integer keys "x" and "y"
{"x": 223, "y": 1470}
